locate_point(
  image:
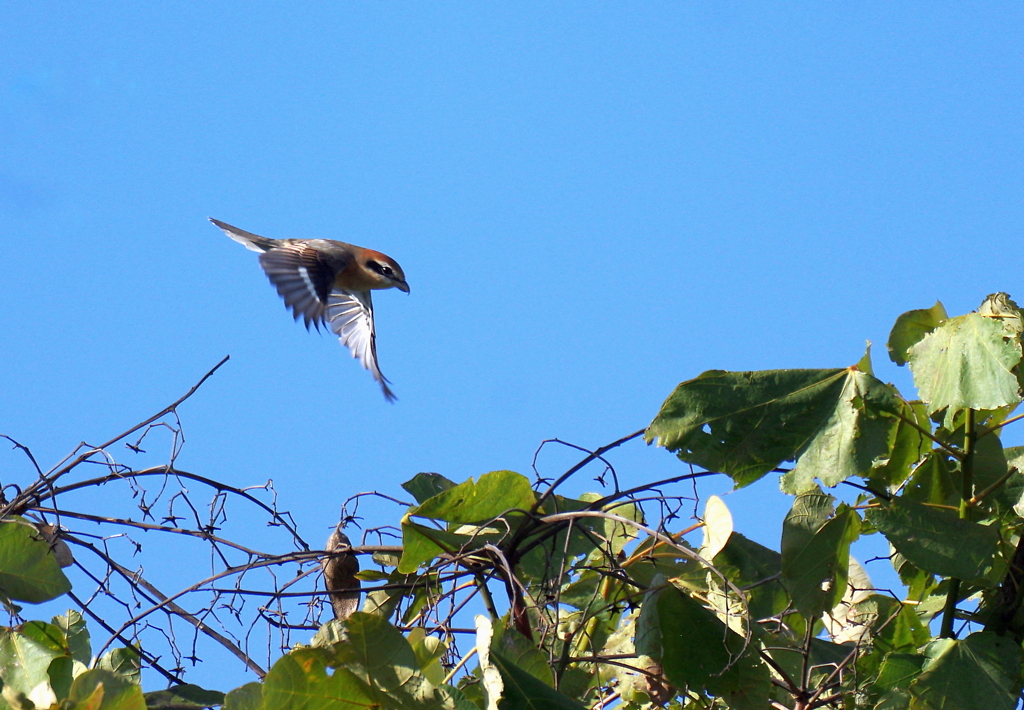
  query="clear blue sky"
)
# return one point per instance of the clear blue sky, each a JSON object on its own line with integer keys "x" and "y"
{"x": 592, "y": 202}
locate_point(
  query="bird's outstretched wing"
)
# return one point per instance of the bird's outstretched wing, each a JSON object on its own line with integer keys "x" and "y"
{"x": 350, "y": 316}
{"x": 302, "y": 278}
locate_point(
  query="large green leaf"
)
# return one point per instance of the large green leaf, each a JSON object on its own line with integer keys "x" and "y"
{"x": 980, "y": 672}
{"x": 911, "y": 327}
{"x": 990, "y": 462}
{"x": 968, "y": 362}
{"x": 421, "y": 544}
{"x": 76, "y": 635}
{"x": 648, "y": 624}
{"x": 29, "y": 571}
{"x": 894, "y": 626}
{"x": 701, "y": 653}
{"x": 523, "y": 691}
{"x": 247, "y": 697}
{"x": 898, "y": 670}
{"x": 49, "y": 635}
{"x": 816, "y": 552}
{"x": 429, "y": 650}
{"x": 113, "y": 691}
{"x": 298, "y": 682}
{"x": 523, "y": 654}
{"x": 424, "y": 486}
{"x": 479, "y": 501}
{"x": 184, "y": 696}
{"x": 124, "y": 661}
{"x": 745, "y": 424}
{"x": 372, "y": 659}
{"x": 382, "y": 658}
{"x": 855, "y": 436}
{"x": 936, "y": 540}
{"x": 756, "y": 569}
{"x": 693, "y": 640}
{"x": 25, "y": 661}
{"x": 937, "y": 480}
{"x": 907, "y": 446}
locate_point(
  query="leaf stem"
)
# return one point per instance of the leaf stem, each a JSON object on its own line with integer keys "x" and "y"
{"x": 966, "y": 496}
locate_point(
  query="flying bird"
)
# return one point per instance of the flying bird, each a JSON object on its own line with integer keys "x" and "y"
{"x": 329, "y": 283}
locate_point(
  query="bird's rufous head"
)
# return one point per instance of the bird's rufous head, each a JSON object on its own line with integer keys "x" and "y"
{"x": 386, "y": 270}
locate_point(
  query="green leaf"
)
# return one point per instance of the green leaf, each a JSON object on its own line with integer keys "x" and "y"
{"x": 383, "y": 602}
{"x": 286, "y": 686}
{"x": 757, "y": 568}
{"x": 523, "y": 691}
{"x": 899, "y": 670}
{"x": 935, "y": 481}
{"x": 114, "y": 691}
{"x": 980, "y": 672}
{"x": 648, "y": 624}
{"x": 24, "y": 661}
{"x": 1014, "y": 489}
{"x": 910, "y": 328}
{"x": 651, "y": 558}
{"x": 701, "y": 653}
{"x": 299, "y": 681}
{"x": 124, "y": 662}
{"x": 816, "y": 552}
{"x": 907, "y": 446}
{"x": 429, "y": 650}
{"x": 247, "y": 697}
{"x": 895, "y": 699}
{"x": 615, "y": 534}
{"x": 49, "y": 635}
{"x": 745, "y": 685}
{"x": 852, "y": 440}
{"x": 936, "y": 540}
{"x": 693, "y": 640}
{"x": 424, "y": 486}
{"x": 745, "y": 424}
{"x": 479, "y": 501}
{"x": 421, "y": 544}
{"x": 184, "y": 696}
{"x": 76, "y": 635}
{"x": 523, "y": 654}
{"x": 380, "y": 657}
{"x": 62, "y": 672}
{"x": 378, "y": 653}
{"x": 29, "y": 571}
{"x": 990, "y": 465}
{"x": 968, "y": 362}
{"x": 894, "y": 626}
{"x": 864, "y": 364}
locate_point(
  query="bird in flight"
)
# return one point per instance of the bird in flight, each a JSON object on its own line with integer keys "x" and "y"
{"x": 328, "y": 282}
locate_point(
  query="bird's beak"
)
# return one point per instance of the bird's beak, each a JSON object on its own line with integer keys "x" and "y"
{"x": 402, "y": 286}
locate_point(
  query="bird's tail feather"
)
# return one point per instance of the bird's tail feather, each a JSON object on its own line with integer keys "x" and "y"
{"x": 250, "y": 241}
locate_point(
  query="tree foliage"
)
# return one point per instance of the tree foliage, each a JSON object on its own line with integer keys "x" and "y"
{"x": 504, "y": 592}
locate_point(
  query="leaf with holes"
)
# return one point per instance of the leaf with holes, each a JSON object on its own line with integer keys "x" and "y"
{"x": 745, "y": 424}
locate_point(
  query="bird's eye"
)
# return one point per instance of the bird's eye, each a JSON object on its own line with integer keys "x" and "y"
{"x": 382, "y": 269}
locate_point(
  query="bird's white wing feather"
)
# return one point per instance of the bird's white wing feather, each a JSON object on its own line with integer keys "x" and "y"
{"x": 349, "y": 315}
